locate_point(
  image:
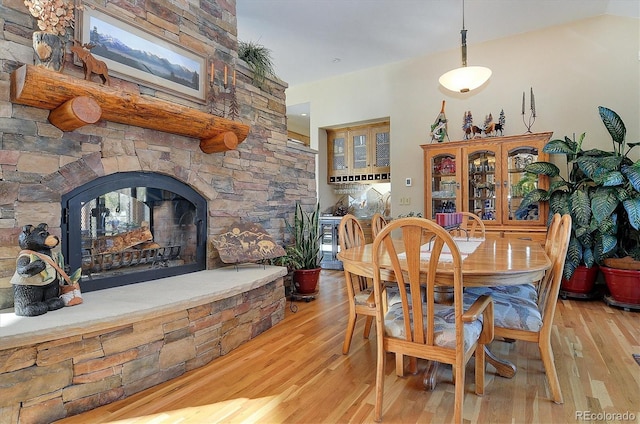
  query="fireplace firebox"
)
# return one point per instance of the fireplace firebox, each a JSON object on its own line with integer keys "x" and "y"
{"x": 130, "y": 227}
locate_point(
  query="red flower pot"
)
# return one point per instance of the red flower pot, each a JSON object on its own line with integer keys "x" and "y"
{"x": 306, "y": 280}
{"x": 623, "y": 284}
{"x": 582, "y": 281}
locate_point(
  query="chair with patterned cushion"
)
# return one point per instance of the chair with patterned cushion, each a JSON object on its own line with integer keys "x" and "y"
{"x": 377, "y": 223}
{"x": 421, "y": 328}
{"x": 528, "y": 290}
{"x": 359, "y": 289}
{"x": 470, "y": 227}
{"x": 519, "y": 317}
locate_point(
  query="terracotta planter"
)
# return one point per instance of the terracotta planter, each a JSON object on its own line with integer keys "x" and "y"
{"x": 623, "y": 284}
{"x": 582, "y": 281}
{"x": 306, "y": 280}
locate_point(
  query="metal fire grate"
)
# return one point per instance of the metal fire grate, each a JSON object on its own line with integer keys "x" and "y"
{"x": 156, "y": 257}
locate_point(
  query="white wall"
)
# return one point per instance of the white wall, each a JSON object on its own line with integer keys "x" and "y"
{"x": 572, "y": 68}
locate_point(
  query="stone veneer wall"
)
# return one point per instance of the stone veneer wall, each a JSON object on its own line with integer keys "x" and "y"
{"x": 259, "y": 182}
{"x": 44, "y": 382}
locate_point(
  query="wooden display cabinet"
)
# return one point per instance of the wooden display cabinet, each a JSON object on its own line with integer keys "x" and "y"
{"x": 486, "y": 177}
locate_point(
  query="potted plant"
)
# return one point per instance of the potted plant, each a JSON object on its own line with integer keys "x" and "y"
{"x": 54, "y": 18}
{"x": 303, "y": 256}
{"x": 602, "y": 194}
{"x": 258, "y": 57}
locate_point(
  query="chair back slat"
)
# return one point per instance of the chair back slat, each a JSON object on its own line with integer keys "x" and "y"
{"x": 471, "y": 226}
{"x": 350, "y": 234}
{"x": 554, "y": 225}
{"x": 377, "y": 223}
{"x": 549, "y": 287}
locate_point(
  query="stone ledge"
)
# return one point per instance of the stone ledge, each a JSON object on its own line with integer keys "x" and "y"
{"x": 124, "y": 305}
{"x": 126, "y": 339}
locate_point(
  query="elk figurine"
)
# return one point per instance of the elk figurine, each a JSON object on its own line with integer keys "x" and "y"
{"x": 90, "y": 63}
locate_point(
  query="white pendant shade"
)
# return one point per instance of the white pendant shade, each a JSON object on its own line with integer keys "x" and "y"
{"x": 465, "y": 78}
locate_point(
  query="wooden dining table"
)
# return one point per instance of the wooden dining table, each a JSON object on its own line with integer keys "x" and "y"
{"x": 494, "y": 262}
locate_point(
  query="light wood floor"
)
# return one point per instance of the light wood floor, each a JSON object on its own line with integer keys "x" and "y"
{"x": 296, "y": 373}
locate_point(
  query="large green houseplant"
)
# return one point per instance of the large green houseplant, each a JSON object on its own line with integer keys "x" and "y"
{"x": 601, "y": 192}
{"x": 303, "y": 256}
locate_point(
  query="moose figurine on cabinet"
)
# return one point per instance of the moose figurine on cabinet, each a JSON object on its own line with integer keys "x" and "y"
{"x": 90, "y": 64}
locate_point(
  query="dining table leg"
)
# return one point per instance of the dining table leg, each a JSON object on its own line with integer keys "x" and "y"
{"x": 503, "y": 367}
{"x": 429, "y": 375}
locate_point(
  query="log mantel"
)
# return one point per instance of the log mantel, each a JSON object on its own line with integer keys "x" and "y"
{"x": 59, "y": 93}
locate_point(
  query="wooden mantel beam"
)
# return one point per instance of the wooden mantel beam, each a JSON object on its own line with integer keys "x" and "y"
{"x": 46, "y": 89}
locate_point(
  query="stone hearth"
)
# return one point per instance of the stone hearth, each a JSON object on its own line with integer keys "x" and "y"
{"x": 126, "y": 339}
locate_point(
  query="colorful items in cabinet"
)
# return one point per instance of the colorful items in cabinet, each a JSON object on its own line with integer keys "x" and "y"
{"x": 449, "y": 219}
{"x": 446, "y": 166}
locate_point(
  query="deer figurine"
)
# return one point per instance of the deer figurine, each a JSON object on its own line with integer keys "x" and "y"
{"x": 90, "y": 63}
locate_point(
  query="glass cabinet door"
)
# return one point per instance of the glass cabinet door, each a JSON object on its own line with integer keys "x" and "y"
{"x": 359, "y": 151}
{"x": 444, "y": 184}
{"x": 337, "y": 153}
{"x": 382, "y": 149}
{"x": 519, "y": 183}
{"x": 482, "y": 184}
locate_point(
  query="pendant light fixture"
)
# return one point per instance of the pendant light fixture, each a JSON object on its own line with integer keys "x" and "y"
{"x": 466, "y": 78}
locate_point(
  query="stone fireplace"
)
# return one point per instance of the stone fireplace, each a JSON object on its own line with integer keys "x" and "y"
{"x": 130, "y": 227}
{"x": 259, "y": 181}
{"x": 54, "y": 176}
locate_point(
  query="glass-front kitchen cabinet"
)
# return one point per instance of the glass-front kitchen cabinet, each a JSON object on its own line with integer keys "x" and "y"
{"x": 486, "y": 176}
{"x": 359, "y": 154}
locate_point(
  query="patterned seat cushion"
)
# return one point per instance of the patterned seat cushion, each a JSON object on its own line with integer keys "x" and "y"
{"x": 445, "y": 327}
{"x": 524, "y": 291}
{"x": 510, "y": 311}
{"x": 361, "y": 298}
{"x": 393, "y": 294}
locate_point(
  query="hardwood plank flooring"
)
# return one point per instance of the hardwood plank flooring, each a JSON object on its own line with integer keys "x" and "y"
{"x": 296, "y": 373}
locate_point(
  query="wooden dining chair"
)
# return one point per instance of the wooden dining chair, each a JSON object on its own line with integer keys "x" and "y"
{"x": 377, "y": 223}
{"x": 518, "y": 317}
{"x": 359, "y": 288}
{"x": 421, "y": 328}
{"x": 471, "y": 226}
{"x": 552, "y": 230}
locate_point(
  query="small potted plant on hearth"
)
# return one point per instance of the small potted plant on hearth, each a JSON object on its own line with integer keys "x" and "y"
{"x": 303, "y": 256}
{"x": 602, "y": 194}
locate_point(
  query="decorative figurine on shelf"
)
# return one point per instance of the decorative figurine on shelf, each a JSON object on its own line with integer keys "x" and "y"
{"x": 489, "y": 125}
{"x": 439, "y": 127}
{"x": 37, "y": 279}
{"x": 501, "y": 121}
{"x": 90, "y": 64}
{"x": 532, "y": 116}
{"x": 470, "y": 130}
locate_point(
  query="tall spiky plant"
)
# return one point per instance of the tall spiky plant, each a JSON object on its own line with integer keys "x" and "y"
{"x": 602, "y": 194}
{"x": 258, "y": 57}
{"x": 305, "y": 251}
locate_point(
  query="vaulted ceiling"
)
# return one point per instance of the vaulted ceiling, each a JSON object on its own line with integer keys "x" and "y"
{"x": 311, "y": 40}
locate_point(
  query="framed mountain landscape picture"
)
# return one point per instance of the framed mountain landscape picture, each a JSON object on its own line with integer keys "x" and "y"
{"x": 135, "y": 54}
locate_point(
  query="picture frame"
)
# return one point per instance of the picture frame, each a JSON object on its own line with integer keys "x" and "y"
{"x": 134, "y": 54}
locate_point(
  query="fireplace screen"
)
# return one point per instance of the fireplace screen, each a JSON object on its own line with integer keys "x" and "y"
{"x": 133, "y": 227}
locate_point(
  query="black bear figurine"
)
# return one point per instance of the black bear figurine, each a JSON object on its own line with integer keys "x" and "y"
{"x": 35, "y": 283}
